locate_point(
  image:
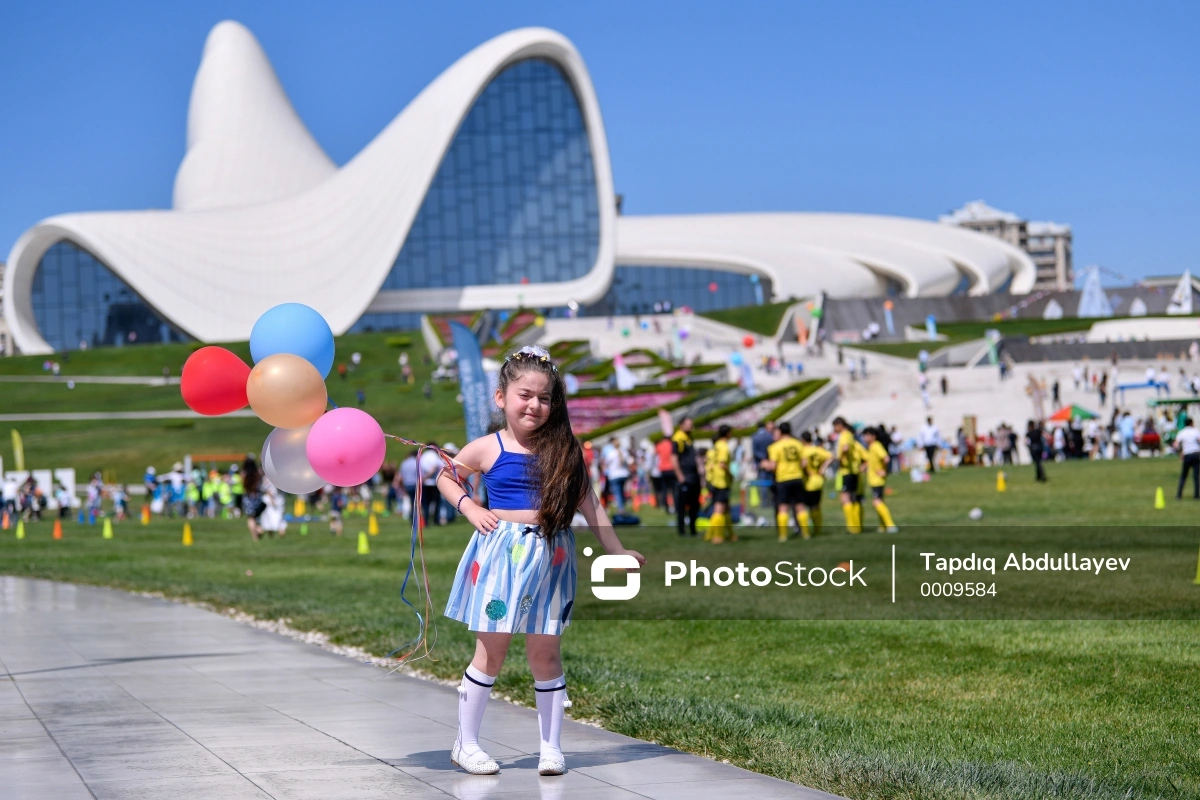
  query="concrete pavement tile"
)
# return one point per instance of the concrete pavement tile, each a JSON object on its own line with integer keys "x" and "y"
{"x": 223, "y": 787}
{"x": 248, "y": 716}
{"x": 280, "y": 758}
{"x": 117, "y": 742}
{"x": 394, "y": 738}
{"x": 46, "y": 772}
{"x": 15, "y": 711}
{"x": 377, "y": 782}
{"x": 517, "y": 774}
{"x": 435, "y": 755}
{"x": 124, "y": 706}
{"x": 75, "y": 791}
{"x": 33, "y": 747}
{"x": 178, "y": 762}
{"x": 658, "y": 765}
{"x": 23, "y": 728}
{"x": 63, "y": 719}
{"x": 499, "y": 787}
{"x": 84, "y": 728}
{"x": 275, "y": 734}
{"x": 375, "y": 714}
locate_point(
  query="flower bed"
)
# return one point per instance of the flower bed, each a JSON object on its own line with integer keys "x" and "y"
{"x": 748, "y": 417}
{"x": 441, "y": 324}
{"x": 516, "y": 323}
{"x": 589, "y": 413}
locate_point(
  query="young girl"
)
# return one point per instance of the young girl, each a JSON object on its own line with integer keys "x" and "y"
{"x": 518, "y": 572}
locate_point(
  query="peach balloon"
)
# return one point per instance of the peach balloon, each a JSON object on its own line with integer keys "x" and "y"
{"x": 286, "y": 391}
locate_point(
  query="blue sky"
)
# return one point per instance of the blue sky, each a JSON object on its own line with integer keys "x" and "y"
{"x": 1079, "y": 112}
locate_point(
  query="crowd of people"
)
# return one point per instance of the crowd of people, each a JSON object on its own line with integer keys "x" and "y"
{"x": 785, "y": 472}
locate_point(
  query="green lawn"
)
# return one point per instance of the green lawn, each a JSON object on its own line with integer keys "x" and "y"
{"x": 866, "y": 709}
{"x": 901, "y": 349}
{"x": 126, "y": 447}
{"x": 763, "y": 320}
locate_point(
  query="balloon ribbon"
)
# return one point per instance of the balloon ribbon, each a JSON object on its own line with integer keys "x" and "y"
{"x": 421, "y": 646}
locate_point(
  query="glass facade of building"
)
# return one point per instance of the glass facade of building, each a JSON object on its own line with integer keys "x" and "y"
{"x": 387, "y": 321}
{"x": 635, "y": 290}
{"x": 79, "y": 302}
{"x": 514, "y": 199}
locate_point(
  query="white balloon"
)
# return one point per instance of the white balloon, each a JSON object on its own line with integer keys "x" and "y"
{"x": 285, "y": 462}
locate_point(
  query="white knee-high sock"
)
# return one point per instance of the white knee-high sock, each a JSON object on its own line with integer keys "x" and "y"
{"x": 551, "y": 702}
{"x": 473, "y": 694}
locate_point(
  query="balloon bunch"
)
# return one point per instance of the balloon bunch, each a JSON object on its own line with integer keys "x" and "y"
{"x": 292, "y": 348}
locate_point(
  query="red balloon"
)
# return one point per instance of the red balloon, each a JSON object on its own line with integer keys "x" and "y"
{"x": 214, "y": 381}
{"x": 748, "y": 341}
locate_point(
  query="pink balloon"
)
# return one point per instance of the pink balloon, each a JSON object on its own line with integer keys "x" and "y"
{"x": 346, "y": 447}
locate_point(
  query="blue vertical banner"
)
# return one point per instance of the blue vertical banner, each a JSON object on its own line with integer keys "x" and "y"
{"x": 472, "y": 381}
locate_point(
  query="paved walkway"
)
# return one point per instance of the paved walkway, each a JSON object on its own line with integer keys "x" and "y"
{"x": 109, "y": 695}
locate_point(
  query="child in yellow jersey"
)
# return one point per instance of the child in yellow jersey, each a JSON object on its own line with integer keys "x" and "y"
{"x": 860, "y": 454}
{"x": 785, "y": 457}
{"x": 877, "y": 472}
{"x": 719, "y": 478}
{"x": 816, "y": 461}
{"x": 849, "y": 459}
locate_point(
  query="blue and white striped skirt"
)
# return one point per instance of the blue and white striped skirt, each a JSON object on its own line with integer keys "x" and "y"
{"x": 513, "y": 581}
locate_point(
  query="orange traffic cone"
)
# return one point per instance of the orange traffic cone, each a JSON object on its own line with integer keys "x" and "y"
{"x": 57, "y": 528}
{"x": 145, "y": 515}
{"x": 4, "y": 523}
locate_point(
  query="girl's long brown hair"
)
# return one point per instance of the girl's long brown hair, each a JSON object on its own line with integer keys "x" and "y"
{"x": 558, "y": 469}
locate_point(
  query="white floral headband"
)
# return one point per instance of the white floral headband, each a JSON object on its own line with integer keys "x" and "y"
{"x": 533, "y": 352}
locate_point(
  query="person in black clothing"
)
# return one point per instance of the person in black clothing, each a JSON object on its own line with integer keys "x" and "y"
{"x": 1037, "y": 448}
{"x": 1187, "y": 442}
{"x": 687, "y": 476}
{"x": 763, "y": 438}
{"x": 883, "y": 437}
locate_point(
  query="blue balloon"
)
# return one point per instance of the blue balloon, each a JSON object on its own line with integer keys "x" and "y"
{"x": 736, "y": 359}
{"x": 297, "y": 329}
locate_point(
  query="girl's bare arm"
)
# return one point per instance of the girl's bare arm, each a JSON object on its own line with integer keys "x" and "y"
{"x": 602, "y": 527}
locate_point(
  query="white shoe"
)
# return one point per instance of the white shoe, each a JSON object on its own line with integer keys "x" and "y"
{"x": 552, "y": 765}
{"x": 893, "y": 529}
{"x": 478, "y": 763}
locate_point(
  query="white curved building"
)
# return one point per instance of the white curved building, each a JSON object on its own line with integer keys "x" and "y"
{"x": 492, "y": 189}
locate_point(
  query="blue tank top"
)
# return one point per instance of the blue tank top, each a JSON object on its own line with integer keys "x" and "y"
{"x": 510, "y": 483}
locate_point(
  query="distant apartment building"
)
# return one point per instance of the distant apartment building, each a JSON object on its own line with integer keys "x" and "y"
{"x": 1047, "y": 243}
